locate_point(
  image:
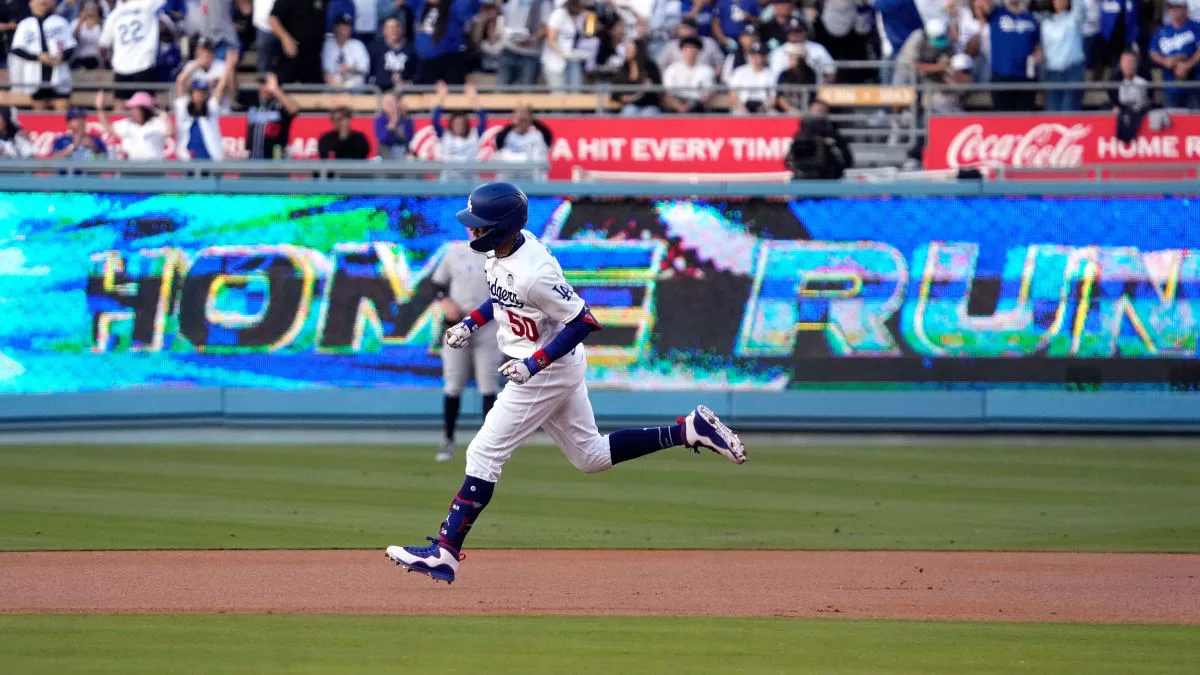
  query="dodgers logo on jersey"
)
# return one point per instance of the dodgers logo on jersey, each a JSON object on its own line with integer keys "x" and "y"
{"x": 505, "y": 297}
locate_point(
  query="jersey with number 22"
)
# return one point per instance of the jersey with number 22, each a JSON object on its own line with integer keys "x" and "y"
{"x": 531, "y": 300}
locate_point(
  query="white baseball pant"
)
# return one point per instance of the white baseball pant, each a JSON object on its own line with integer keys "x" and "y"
{"x": 556, "y": 399}
{"x": 483, "y": 353}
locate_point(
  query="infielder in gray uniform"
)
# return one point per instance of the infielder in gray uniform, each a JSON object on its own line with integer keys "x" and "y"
{"x": 460, "y": 285}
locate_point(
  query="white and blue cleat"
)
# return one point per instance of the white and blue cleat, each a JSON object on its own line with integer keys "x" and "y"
{"x": 437, "y": 561}
{"x": 703, "y": 429}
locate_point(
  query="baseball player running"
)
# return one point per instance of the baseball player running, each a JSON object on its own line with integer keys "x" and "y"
{"x": 542, "y": 325}
{"x": 460, "y": 285}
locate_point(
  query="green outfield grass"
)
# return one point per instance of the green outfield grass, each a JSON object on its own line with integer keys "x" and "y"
{"x": 580, "y": 645}
{"x": 1135, "y": 497}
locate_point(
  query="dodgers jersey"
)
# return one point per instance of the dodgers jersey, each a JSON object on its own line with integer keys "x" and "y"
{"x": 531, "y": 300}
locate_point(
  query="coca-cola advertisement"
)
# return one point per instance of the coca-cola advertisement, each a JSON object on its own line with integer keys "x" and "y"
{"x": 684, "y": 145}
{"x": 1055, "y": 142}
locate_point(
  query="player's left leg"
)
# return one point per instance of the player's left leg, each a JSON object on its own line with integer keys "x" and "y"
{"x": 574, "y": 431}
{"x": 456, "y": 367}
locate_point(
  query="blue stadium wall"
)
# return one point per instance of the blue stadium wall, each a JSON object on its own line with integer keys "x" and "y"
{"x": 964, "y": 306}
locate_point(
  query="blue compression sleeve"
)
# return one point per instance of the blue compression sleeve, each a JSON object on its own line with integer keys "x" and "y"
{"x": 480, "y": 316}
{"x": 562, "y": 344}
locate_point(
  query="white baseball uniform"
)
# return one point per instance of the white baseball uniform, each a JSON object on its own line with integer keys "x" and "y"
{"x": 461, "y": 273}
{"x": 531, "y": 302}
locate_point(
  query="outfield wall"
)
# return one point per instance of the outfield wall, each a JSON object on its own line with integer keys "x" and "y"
{"x": 962, "y": 306}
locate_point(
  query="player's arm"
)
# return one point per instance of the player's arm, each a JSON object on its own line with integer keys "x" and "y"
{"x": 554, "y": 296}
{"x": 458, "y": 334}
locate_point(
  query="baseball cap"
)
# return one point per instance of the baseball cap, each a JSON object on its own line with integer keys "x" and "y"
{"x": 206, "y": 43}
{"x": 935, "y": 28}
{"x": 200, "y": 83}
{"x": 691, "y": 41}
{"x": 1177, "y": 3}
{"x": 689, "y": 21}
{"x": 797, "y": 25}
{"x": 343, "y": 19}
{"x": 761, "y": 48}
{"x": 73, "y": 113}
{"x": 140, "y": 99}
{"x": 962, "y": 62}
{"x": 750, "y": 29}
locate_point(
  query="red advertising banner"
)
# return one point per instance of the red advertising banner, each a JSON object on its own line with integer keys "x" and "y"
{"x": 643, "y": 145}
{"x": 1055, "y": 141}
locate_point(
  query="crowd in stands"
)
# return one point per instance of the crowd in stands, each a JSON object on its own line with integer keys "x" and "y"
{"x": 660, "y": 56}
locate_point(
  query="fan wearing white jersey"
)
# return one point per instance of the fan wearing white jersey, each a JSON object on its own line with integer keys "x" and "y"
{"x": 41, "y": 52}
{"x": 542, "y": 325}
{"x": 130, "y": 36}
{"x": 458, "y": 141}
{"x": 460, "y": 285}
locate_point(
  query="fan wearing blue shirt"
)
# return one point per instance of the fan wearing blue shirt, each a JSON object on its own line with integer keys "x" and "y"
{"x": 701, "y": 11}
{"x": 1174, "y": 48}
{"x": 731, "y": 19}
{"x": 1015, "y": 39}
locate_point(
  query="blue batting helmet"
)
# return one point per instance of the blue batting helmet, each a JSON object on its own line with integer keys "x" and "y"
{"x": 498, "y": 207}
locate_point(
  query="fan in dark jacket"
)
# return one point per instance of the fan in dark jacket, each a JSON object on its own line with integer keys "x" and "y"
{"x": 819, "y": 151}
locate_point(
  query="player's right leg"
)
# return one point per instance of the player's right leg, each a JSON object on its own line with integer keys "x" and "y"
{"x": 518, "y": 412}
{"x": 456, "y": 367}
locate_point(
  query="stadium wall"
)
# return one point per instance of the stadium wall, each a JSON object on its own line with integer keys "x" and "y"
{"x": 966, "y": 306}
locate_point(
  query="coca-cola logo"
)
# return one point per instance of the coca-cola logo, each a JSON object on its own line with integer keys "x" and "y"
{"x": 1051, "y": 145}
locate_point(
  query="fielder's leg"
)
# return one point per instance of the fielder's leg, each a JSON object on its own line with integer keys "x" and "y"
{"x": 486, "y": 355}
{"x": 456, "y": 366}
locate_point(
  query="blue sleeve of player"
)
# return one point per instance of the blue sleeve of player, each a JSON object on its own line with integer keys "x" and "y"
{"x": 567, "y": 339}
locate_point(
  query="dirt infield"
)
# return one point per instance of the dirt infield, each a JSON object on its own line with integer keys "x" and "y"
{"x": 908, "y": 585}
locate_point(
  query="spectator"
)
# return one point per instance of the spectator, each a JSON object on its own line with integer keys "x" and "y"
{"x": 522, "y": 26}
{"x": 42, "y": 49}
{"x": 459, "y": 142}
{"x": 1118, "y": 29}
{"x": 1062, "y": 39}
{"x": 747, "y": 42}
{"x": 731, "y": 20}
{"x": 639, "y": 71}
{"x": 948, "y": 102}
{"x": 243, "y": 24}
{"x": 131, "y": 36}
{"x": 86, "y": 29}
{"x": 393, "y": 128}
{"x": 701, "y": 12}
{"x": 1132, "y": 92}
{"x": 342, "y": 142}
{"x": 661, "y": 19}
{"x": 300, "y": 27}
{"x": 483, "y": 39}
{"x": 815, "y": 55}
{"x": 366, "y": 20}
{"x": 1015, "y": 49}
{"x": 269, "y": 114}
{"x": 197, "y": 116}
{"x": 208, "y": 68}
{"x": 396, "y": 9}
{"x": 819, "y": 151}
{"x": 334, "y": 10}
{"x": 170, "y": 56}
{"x": 899, "y": 18}
{"x": 344, "y": 59}
{"x": 798, "y": 74}
{"x": 266, "y": 45}
{"x": 611, "y": 51}
{"x": 774, "y": 32}
{"x": 11, "y": 14}
{"x": 525, "y": 138}
{"x": 925, "y": 56}
{"x": 440, "y": 39}
{"x": 972, "y": 35}
{"x": 77, "y": 143}
{"x": 710, "y": 53}
{"x": 143, "y": 135}
{"x": 393, "y": 59}
{"x": 688, "y": 82}
{"x": 213, "y": 19}
{"x": 837, "y": 29}
{"x": 14, "y": 141}
{"x": 753, "y": 84}
{"x": 1173, "y": 48}
{"x": 562, "y": 61}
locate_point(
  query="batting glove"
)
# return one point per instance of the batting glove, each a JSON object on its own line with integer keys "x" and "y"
{"x": 518, "y": 371}
{"x": 459, "y": 334}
